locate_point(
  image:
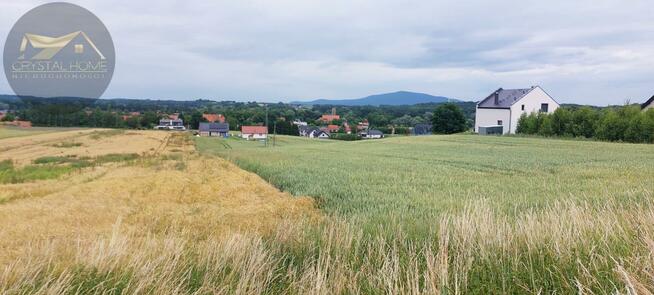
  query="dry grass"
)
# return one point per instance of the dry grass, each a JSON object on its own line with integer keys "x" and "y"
{"x": 92, "y": 143}
{"x": 468, "y": 252}
{"x": 153, "y": 198}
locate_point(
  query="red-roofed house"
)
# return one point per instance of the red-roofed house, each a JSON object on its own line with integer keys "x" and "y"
{"x": 328, "y": 118}
{"x": 333, "y": 128}
{"x": 254, "y": 132}
{"x": 347, "y": 127}
{"x": 213, "y": 118}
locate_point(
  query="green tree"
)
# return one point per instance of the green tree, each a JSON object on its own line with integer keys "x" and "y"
{"x": 449, "y": 118}
{"x": 8, "y": 117}
{"x": 583, "y": 122}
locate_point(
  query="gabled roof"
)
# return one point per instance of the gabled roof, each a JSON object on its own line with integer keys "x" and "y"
{"x": 214, "y": 118}
{"x": 648, "y": 102}
{"x": 254, "y": 129}
{"x": 329, "y": 118}
{"x": 505, "y": 98}
{"x": 214, "y": 127}
{"x": 316, "y": 132}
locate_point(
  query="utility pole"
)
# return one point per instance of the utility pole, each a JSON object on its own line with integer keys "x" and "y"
{"x": 274, "y": 133}
{"x": 266, "y": 124}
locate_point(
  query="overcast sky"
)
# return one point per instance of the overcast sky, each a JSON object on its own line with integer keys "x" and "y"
{"x": 584, "y": 51}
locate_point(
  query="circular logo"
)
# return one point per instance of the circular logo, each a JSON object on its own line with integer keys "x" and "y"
{"x": 59, "y": 50}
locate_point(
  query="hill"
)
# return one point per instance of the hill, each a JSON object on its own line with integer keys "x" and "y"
{"x": 394, "y": 98}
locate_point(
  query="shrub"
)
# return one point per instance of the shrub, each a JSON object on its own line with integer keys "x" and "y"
{"x": 626, "y": 123}
{"x": 344, "y": 136}
{"x": 449, "y": 119}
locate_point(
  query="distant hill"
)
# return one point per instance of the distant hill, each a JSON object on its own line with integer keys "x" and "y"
{"x": 394, "y": 98}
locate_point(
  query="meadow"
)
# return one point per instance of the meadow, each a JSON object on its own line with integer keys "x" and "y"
{"x": 417, "y": 179}
{"x": 10, "y": 131}
{"x": 516, "y": 215}
{"x": 150, "y": 212}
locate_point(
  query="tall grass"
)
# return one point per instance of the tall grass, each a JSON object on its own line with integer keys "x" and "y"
{"x": 565, "y": 248}
{"x": 520, "y": 215}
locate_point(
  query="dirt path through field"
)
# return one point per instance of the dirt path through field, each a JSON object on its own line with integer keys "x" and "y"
{"x": 169, "y": 187}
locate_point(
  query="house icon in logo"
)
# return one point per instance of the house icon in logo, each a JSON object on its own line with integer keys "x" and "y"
{"x": 51, "y": 46}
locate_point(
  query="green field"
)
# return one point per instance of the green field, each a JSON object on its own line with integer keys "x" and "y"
{"x": 9, "y": 131}
{"x": 513, "y": 215}
{"x": 417, "y": 178}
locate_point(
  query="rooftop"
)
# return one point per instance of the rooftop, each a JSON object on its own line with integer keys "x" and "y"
{"x": 505, "y": 98}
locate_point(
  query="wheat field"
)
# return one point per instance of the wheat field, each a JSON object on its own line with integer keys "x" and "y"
{"x": 148, "y": 212}
{"x": 507, "y": 214}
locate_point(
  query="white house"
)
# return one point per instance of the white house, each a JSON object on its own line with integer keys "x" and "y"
{"x": 371, "y": 134}
{"x": 254, "y": 132}
{"x": 320, "y": 134}
{"x": 505, "y": 106}
{"x": 170, "y": 124}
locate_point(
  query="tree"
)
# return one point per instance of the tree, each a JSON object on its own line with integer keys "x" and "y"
{"x": 449, "y": 118}
{"x": 8, "y": 117}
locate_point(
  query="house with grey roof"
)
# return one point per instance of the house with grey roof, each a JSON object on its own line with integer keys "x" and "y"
{"x": 648, "y": 104}
{"x": 320, "y": 134}
{"x": 214, "y": 129}
{"x": 305, "y": 130}
{"x": 502, "y": 108}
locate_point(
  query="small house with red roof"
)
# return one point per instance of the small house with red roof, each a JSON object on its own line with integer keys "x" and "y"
{"x": 214, "y": 118}
{"x": 254, "y": 132}
{"x": 328, "y": 118}
{"x": 332, "y": 128}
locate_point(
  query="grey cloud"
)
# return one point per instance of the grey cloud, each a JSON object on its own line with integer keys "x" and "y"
{"x": 583, "y": 51}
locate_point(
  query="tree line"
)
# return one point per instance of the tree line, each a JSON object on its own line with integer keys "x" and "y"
{"x": 625, "y": 124}
{"x": 69, "y": 112}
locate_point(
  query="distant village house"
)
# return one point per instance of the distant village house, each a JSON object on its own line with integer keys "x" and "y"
{"x": 254, "y": 132}
{"x": 170, "y": 124}
{"x": 299, "y": 123}
{"x": 501, "y": 110}
{"x": 328, "y": 118}
{"x": 213, "y": 118}
{"x": 319, "y": 134}
{"x": 214, "y": 129}
{"x": 371, "y": 134}
{"x": 332, "y": 128}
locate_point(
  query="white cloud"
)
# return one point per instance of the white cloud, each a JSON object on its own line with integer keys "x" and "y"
{"x": 586, "y": 51}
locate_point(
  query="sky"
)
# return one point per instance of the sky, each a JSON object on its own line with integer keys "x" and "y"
{"x": 595, "y": 52}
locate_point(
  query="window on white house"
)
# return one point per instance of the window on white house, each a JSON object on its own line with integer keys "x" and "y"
{"x": 499, "y": 122}
{"x": 544, "y": 107}
{"x": 523, "y": 107}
